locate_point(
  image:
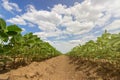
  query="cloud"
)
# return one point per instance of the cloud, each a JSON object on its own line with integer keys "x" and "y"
{"x": 115, "y": 31}
{"x": 109, "y": 6}
{"x": 44, "y": 19}
{"x": 23, "y": 30}
{"x": 61, "y": 9}
{"x": 76, "y": 42}
{"x": 84, "y": 39}
{"x": 77, "y": 20}
{"x": 9, "y": 6}
{"x": 30, "y": 8}
{"x": 113, "y": 27}
{"x": 76, "y": 27}
{"x": 44, "y": 35}
{"x": 59, "y": 45}
{"x": 65, "y": 46}
{"x": 30, "y": 24}
{"x": 18, "y": 20}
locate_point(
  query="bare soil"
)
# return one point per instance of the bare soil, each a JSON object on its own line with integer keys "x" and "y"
{"x": 63, "y": 68}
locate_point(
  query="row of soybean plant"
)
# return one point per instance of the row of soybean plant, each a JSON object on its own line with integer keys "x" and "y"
{"x": 106, "y": 48}
{"x": 15, "y": 47}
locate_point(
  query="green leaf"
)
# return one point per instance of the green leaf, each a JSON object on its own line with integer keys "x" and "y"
{"x": 18, "y": 38}
{"x": 14, "y": 28}
{"x": 12, "y": 33}
{"x": 2, "y": 24}
{"x": 4, "y": 36}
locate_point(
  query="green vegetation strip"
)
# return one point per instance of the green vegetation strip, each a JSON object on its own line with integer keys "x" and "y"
{"x": 106, "y": 48}
{"x": 22, "y": 49}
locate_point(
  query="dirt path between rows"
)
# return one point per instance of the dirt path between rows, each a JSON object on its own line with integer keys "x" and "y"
{"x": 64, "y": 70}
{"x": 57, "y": 68}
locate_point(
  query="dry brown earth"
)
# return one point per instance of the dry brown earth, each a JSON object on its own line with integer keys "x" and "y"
{"x": 57, "y": 68}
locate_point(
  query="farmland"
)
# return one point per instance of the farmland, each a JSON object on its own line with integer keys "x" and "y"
{"x": 27, "y": 57}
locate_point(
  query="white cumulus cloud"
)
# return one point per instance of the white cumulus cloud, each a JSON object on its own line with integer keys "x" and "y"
{"x": 9, "y": 6}
{"x": 115, "y": 25}
{"x": 18, "y": 20}
{"x": 79, "y": 19}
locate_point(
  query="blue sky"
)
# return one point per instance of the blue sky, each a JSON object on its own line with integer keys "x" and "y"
{"x": 63, "y": 23}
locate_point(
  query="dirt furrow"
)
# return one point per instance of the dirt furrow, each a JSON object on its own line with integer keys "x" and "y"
{"x": 60, "y": 68}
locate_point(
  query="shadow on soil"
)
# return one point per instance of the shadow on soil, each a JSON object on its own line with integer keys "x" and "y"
{"x": 97, "y": 70}
{"x": 19, "y": 64}
{"x": 4, "y": 71}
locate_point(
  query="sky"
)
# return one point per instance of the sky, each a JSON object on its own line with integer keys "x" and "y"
{"x": 63, "y": 23}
